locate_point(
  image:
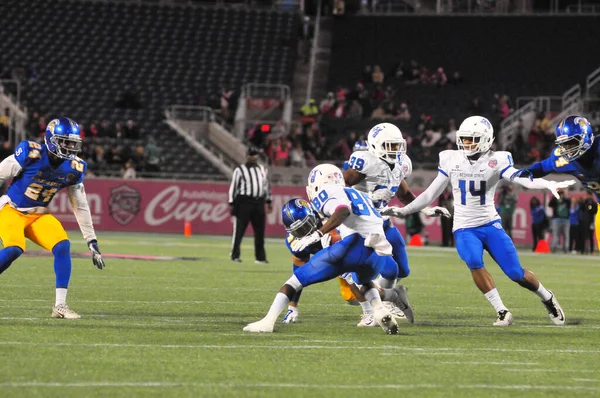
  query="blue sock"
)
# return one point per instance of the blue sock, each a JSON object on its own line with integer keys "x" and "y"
{"x": 62, "y": 263}
{"x": 296, "y": 297}
{"x": 8, "y": 255}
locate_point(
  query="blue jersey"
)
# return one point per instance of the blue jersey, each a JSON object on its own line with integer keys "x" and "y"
{"x": 304, "y": 254}
{"x": 590, "y": 178}
{"x": 39, "y": 181}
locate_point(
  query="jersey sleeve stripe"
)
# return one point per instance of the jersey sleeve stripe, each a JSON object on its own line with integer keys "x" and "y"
{"x": 504, "y": 169}
{"x": 443, "y": 172}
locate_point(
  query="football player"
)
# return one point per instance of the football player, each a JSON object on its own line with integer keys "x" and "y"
{"x": 381, "y": 171}
{"x": 577, "y": 154}
{"x": 38, "y": 172}
{"x": 474, "y": 172}
{"x": 361, "y": 250}
{"x": 358, "y": 146}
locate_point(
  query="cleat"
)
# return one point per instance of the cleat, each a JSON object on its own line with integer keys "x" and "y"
{"x": 403, "y": 303}
{"x": 353, "y": 302}
{"x": 505, "y": 318}
{"x": 386, "y": 321}
{"x": 395, "y": 311}
{"x": 64, "y": 312}
{"x": 261, "y": 326}
{"x": 555, "y": 312}
{"x": 236, "y": 260}
{"x": 261, "y": 262}
{"x": 291, "y": 316}
{"x": 367, "y": 321}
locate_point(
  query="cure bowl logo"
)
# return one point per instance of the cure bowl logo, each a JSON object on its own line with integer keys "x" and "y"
{"x": 124, "y": 204}
{"x": 493, "y": 163}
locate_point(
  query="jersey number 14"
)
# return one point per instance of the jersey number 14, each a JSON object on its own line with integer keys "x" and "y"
{"x": 462, "y": 185}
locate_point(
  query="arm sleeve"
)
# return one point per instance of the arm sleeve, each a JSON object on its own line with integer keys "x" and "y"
{"x": 433, "y": 191}
{"x": 9, "y": 168}
{"x": 536, "y": 183}
{"x": 81, "y": 210}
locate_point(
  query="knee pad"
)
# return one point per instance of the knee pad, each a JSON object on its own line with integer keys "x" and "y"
{"x": 295, "y": 283}
{"x": 62, "y": 248}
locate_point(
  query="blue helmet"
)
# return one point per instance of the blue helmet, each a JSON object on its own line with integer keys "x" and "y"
{"x": 360, "y": 146}
{"x": 299, "y": 218}
{"x": 574, "y": 136}
{"x": 63, "y": 138}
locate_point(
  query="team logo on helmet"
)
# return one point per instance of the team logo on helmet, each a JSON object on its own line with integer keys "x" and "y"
{"x": 124, "y": 204}
{"x": 376, "y": 130}
{"x": 313, "y": 175}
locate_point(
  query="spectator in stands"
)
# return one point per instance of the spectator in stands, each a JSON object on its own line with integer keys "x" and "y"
{"x": 339, "y": 7}
{"x": 105, "y": 130}
{"x": 574, "y": 228}
{"x": 82, "y": 131}
{"x": 6, "y": 150}
{"x": 297, "y": 158}
{"x": 278, "y": 131}
{"x": 502, "y": 107}
{"x": 539, "y": 221}
{"x": 439, "y": 77}
{"x": 451, "y": 134}
{"x": 42, "y": 126}
{"x": 356, "y": 111}
{"x": 403, "y": 113}
{"x": 507, "y": 199}
{"x": 378, "y": 113}
{"x": 327, "y": 104}
{"x": 4, "y": 118}
{"x": 118, "y": 131}
{"x": 377, "y": 76}
{"x": 93, "y": 130}
{"x": 139, "y": 157}
{"x": 98, "y": 155}
{"x": 309, "y": 112}
{"x": 225, "y": 102}
{"x": 128, "y": 171}
{"x": 152, "y": 156}
{"x": 131, "y": 131}
{"x": 475, "y": 107}
{"x": 340, "y": 110}
{"x": 560, "y": 221}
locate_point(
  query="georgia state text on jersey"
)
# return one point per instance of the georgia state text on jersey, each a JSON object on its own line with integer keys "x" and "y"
{"x": 590, "y": 178}
{"x": 363, "y": 219}
{"x": 379, "y": 174}
{"x": 39, "y": 181}
{"x": 474, "y": 185}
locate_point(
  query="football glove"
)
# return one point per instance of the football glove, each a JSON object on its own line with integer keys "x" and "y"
{"x": 300, "y": 244}
{"x": 96, "y": 255}
{"x": 394, "y": 211}
{"x": 436, "y": 212}
{"x": 554, "y": 186}
{"x": 326, "y": 241}
{"x": 523, "y": 173}
{"x": 382, "y": 195}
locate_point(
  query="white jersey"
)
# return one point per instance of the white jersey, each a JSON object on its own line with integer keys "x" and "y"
{"x": 379, "y": 174}
{"x": 474, "y": 185}
{"x": 363, "y": 219}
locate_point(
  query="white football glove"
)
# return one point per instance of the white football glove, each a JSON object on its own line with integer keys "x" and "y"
{"x": 394, "y": 211}
{"x": 382, "y": 195}
{"x": 436, "y": 212}
{"x": 554, "y": 186}
{"x": 300, "y": 244}
{"x": 326, "y": 240}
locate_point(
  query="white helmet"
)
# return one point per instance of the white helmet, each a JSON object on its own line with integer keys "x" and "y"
{"x": 481, "y": 133}
{"x": 323, "y": 174}
{"x": 386, "y": 142}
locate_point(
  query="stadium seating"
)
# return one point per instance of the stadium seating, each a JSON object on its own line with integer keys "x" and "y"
{"x": 89, "y": 54}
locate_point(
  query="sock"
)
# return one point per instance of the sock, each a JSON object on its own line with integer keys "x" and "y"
{"x": 372, "y": 296}
{"x": 366, "y": 307}
{"x": 543, "y": 293}
{"x": 281, "y": 301}
{"x": 62, "y": 263}
{"x": 8, "y": 255}
{"x": 61, "y": 296}
{"x": 494, "y": 298}
{"x": 386, "y": 283}
{"x": 389, "y": 295}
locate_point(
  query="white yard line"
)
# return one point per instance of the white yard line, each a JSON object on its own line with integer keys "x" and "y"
{"x": 487, "y": 363}
{"x": 163, "y": 384}
{"x": 551, "y": 370}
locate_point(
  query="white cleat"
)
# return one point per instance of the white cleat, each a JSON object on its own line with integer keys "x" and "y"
{"x": 64, "y": 312}
{"x": 505, "y": 318}
{"x": 386, "y": 321}
{"x": 403, "y": 303}
{"x": 367, "y": 321}
{"x": 261, "y": 326}
{"x": 555, "y": 312}
{"x": 396, "y": 312}
{"x": 291, "y": 316}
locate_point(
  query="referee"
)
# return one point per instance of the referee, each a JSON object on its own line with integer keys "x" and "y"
{"x": 248, "y": 193}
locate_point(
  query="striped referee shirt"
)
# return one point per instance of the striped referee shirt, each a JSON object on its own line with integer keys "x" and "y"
{"x": 250, "y": 180}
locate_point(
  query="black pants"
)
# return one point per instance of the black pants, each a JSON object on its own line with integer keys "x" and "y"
{"x": 248, "y": 210}
{"x": 575, "y": 238}
{"x": 537, "y": 232}
{"x": 447, "y": 235}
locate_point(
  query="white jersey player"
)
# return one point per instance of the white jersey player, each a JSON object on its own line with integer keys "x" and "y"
{"x": 474, "y": 171}
{"x": 381, "y": 171}
{"x": 361, "y": 251}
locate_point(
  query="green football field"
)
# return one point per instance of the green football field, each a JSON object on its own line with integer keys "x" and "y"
{"x": 174, "y": 328}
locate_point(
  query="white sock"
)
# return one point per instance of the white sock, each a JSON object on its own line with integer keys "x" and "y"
{"x": 543, "y": 293}
{"x": 372, "y": 296}
{"x": 494, "y": 298}
{"x": 389, "y": 295}
{"x": 386, "y": 283}
{"x": 281, "y": 301}
{"x": 61, "y": 296}
{"x": 366, "y": 307}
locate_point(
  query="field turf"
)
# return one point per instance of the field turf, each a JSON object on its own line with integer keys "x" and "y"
{"x": 174, "y": 328}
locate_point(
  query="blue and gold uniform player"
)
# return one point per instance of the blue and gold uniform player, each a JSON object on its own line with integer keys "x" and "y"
{"x": 38, "y": 172}
{"x": 576, "y": 154}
